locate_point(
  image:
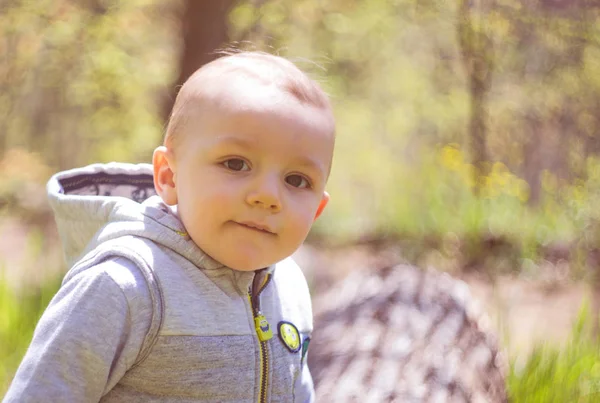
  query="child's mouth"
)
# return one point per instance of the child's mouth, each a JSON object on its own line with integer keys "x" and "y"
{"x": 256, "y": 227}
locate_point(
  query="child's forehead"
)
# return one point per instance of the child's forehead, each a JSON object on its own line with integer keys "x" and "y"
{"x": 234, "y": 90}
{"x": 252, "y": 111}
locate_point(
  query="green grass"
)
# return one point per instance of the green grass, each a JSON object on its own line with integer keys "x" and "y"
{"x": 567, "y": 374}
{"x": 19, "y": 313}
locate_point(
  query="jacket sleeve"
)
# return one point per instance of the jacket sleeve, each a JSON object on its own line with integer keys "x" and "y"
{"x": 87, "y": 338}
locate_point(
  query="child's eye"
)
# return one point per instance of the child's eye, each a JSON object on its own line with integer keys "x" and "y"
{"x": 298, "y": 181}
{"x": 236, "y": 164}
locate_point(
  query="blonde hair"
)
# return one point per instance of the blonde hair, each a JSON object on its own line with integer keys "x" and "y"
{"x": 260, "y": 66}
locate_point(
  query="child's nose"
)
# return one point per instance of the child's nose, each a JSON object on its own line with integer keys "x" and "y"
{"x": 265, "y": 194}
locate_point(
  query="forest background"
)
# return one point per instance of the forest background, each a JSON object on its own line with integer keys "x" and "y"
{"x": 468, "y": 137}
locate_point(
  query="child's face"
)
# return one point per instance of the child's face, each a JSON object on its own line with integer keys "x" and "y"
{"x": 249, "y": 175}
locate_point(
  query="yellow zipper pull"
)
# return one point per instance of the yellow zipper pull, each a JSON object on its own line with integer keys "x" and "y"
{"x": 263, "y": 329}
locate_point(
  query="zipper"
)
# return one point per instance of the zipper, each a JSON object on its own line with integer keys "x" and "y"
{"x": 263, "y": 331}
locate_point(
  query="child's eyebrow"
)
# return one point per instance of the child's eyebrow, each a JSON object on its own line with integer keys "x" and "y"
{"x": 223, "y": 140}
{"x": 310, "y": 163}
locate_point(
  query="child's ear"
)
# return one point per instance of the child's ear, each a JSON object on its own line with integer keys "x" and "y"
{"x": 164, "y": 175}
{"x": 322, "y": 204}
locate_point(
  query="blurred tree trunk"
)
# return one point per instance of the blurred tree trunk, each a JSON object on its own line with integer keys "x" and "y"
{"x": 532, "y": 158}
{"x": 478, "y": 58}
{"x": 204, "y": 29}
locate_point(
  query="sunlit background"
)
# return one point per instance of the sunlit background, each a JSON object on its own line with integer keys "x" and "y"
{"x": 468, "y": 138}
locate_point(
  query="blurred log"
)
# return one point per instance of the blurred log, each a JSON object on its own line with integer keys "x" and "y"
{"x": 400, "y": 334}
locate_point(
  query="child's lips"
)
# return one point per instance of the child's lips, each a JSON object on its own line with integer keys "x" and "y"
{"x": 256, "y": 226}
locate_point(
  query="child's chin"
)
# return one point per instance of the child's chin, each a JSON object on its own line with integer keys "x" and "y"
{"x": 250, "y": 259}
{"x": 245, "y": 265}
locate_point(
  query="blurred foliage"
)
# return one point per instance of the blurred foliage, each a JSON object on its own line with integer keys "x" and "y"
{"x": 22, "y": 188}
{"x": 80, "y": 78}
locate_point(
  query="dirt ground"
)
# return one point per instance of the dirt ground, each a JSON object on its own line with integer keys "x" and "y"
{"x": 526, "y": 312}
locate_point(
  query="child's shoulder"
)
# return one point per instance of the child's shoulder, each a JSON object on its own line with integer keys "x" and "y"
{"x": 113, "y": 276}
{"x": 126, "y": 275}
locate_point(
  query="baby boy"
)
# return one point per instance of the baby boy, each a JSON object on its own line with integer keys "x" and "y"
{"x": 181, "y": 287}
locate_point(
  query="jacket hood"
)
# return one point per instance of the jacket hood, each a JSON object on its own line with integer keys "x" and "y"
{"x": 100, "y": 202}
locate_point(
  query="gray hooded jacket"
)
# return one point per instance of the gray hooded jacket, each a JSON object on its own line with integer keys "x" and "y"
{"x": 144, "y": 315}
